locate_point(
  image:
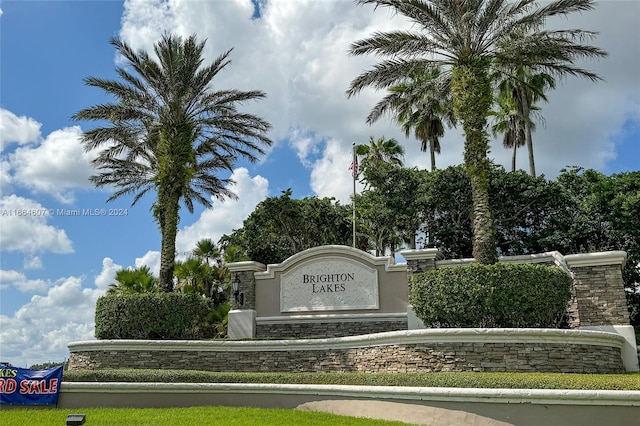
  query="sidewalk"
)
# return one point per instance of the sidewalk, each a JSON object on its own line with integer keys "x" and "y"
{"x": 408, "y": 413}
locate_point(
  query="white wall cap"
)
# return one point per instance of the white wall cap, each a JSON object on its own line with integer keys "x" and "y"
{"x": 455, "y": 262}
{"x": 247, "y": 265}
{"x": 418, "y": 254}
{"x": 550, "y": 256}
{"x": 597, "y": 259}
{"x": 433, "y": 335}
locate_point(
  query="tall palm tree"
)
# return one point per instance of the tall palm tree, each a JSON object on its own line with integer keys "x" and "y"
{"x": 133, "y": 281}
{"x": 507, "y": 122}
{"x": 168, "y": 132}
{"x": 422, "y": 103}
{"x": 467, "y": 38}
{"x": 522, "y": 88}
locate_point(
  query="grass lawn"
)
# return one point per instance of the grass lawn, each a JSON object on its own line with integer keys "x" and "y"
{"x": 228, "y": 416}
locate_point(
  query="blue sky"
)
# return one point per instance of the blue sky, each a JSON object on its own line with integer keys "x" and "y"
{"x": 52, "y": 268}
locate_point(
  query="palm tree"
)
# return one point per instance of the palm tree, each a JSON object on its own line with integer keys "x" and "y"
{"x": 507, "y": 122}
{"x": 208, "y": 251}
{"x": 379, "y": 151}
{"x": 467, "y": 38}
{"x": 522, "y": 88}
{"x": 168, "y": 132}
{"x": 192, "y": 276}
{"x": 133, "y": 281}
{"x": 420, "y": 103}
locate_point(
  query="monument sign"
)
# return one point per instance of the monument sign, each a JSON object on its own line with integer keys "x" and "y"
{"x": 330, "y": 283}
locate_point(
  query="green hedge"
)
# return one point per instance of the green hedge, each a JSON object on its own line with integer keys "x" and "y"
{"x": 499, "y": 295}
{"x": 629, "y": 381}
{"x": 152, "y": 316}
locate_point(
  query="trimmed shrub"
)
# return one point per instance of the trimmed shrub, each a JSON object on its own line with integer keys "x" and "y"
{"x": 152, "y": 316}
{"x": 500, "y": 295}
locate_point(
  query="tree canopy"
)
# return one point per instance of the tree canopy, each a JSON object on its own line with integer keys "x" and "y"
{"x": 280, "y": 227}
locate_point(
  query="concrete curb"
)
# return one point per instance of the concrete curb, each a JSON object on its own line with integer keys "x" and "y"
{"x": 391, "y": 393}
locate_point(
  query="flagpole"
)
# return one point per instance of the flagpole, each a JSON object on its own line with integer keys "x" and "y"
{"x": 354, "y": 172}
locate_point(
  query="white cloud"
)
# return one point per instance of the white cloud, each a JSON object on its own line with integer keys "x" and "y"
{"x": 5, "y": 177}
{"x": 42, "y": 328}
{"x": 57, "y": 166}
{"x": 227, "y": 215}
{"x": 19, "y": 281}
{"x": 301, "y": 62}
{"x": 32, "y": 262}
{"x": 150, "y": 259}
{"x": 25, "y": 229}
{"x": 331, "y": 176}
{"x": 107, "y": 275}
{"x": 20, "y": 130}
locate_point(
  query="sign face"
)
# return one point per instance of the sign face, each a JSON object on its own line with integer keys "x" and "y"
{"x": 29, "y": 387}
{"x": 328, "y": 284}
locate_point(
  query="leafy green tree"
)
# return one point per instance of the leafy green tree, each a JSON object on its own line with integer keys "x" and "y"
{"x": 168, "y": 132}
{"x": 446, "y": 205}
{"x": 602, "y": 214}
{"x": 375, "y": 221}
{"x": 280, "y": 227}
{"x": 132, "y": 281}
{"x": 467, "y": 39}
{"x": 422, "y": 103}
{"x": 526, "y": 209}
{"x": 389, "y": 210}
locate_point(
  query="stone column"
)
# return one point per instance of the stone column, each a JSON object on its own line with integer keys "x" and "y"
{"x": 418, "y": 261}
{"x": 600, "y": 298}
{"x": 242, "y": 316}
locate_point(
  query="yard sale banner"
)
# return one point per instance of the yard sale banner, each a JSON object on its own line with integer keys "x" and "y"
{"x": 21, "y": 386}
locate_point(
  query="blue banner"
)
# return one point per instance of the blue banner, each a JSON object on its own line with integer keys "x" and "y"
{"x": 22, "y": 386}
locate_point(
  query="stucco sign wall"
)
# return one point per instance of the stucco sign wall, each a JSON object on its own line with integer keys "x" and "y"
{"x": 327, "y": 284}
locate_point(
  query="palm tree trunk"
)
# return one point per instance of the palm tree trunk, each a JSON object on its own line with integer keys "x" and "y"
{"x": 169, "y": 230}
{"x": 529, "y": 141}
{"x": 432, "y": 152}
{"x": 526, "y": 111}
{"x": 472, "y": 99}
{"x": 174, "y": 151}
{"x": 513, "y": 157}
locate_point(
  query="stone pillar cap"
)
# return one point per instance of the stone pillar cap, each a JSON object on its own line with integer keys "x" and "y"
{"x": 419, "y": 254}
{"x": 596, "y": 259}
{"x": 247, "y": 265}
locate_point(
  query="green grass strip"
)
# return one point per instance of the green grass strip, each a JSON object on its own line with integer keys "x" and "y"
{"x": 228, "y": 416}
{"x": 629, "y": 381}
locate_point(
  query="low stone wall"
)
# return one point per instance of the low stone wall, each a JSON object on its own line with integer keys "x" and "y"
{"x": 317, "y": 327}
{"x": 511, "y": 350}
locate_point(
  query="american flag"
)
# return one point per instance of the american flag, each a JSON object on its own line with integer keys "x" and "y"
{"x": 354, "y": 167}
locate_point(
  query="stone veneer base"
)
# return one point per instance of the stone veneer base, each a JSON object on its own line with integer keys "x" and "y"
{"x": 509, "y": 350}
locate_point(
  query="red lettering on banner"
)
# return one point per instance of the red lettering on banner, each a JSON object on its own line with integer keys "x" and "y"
{"x": 38, "y": 387}
{"x": 8, "y": 385}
